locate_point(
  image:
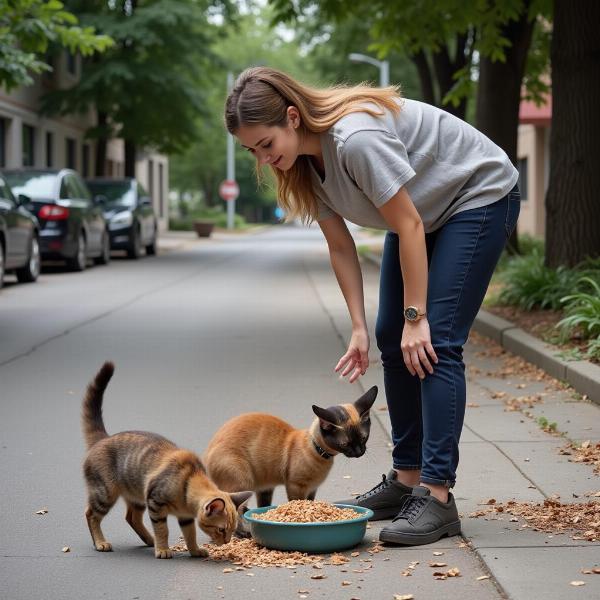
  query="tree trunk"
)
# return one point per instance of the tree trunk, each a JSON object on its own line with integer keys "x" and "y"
{"x": 499, "y": 92}
{"x": 572, "y": 201}
{"x": 130, "y": 154}
{"x": 444, "y": 69}
{"x": 424, "y": 72}
{"x": 100, "y": 165}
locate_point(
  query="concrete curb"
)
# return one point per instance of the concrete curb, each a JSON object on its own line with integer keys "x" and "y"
{"x": 582, "y": 375}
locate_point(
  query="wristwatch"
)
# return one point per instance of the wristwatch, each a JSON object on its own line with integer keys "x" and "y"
{"x": 412, "y": 314}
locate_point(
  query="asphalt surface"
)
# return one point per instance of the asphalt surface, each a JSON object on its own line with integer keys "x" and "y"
{"x": 199, "y": 334}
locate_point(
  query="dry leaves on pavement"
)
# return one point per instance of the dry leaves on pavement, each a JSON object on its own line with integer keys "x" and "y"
{"x": 552, "y": 516}
{"x": 588, "y": 453}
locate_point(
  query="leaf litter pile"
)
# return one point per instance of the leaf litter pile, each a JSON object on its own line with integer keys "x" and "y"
{"x": 551, "y": 516}
{"x": 588, "y": 453}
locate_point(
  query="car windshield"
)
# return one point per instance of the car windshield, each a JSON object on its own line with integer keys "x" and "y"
{"x": 117, "y": 193}
{"x": 37, "y": 186}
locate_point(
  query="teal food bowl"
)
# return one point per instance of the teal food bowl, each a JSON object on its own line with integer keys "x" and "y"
{"x": 318, "y": 538}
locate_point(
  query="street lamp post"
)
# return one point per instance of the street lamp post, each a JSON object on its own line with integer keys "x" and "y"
{"x": 382, "y": 65}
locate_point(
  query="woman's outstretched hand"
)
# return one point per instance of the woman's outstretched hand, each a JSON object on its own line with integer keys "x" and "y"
{"x": 417, "y": 349}
{"x": 356, "y": 358}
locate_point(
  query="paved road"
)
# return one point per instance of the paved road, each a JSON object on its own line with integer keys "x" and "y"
{"x": 198, "y": 334}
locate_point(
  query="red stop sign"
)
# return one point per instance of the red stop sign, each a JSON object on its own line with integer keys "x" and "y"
{"x": 229, "y": 189}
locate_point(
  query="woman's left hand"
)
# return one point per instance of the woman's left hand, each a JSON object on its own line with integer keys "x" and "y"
{"x": 417, "y": 349}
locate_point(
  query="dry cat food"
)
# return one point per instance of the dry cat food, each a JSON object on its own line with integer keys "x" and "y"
{"x": 307, "y": 511}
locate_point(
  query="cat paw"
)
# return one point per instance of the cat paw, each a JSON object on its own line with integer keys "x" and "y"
{"x": 163, "y": 553}
{"x": 199, "y": 553}
{"x": 104, "y": 547}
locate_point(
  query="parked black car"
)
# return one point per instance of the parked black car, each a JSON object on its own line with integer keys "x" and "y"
{"x": 129, "y": 213}
{"x": 19, "y": 238}
{"x": 72, "y": 225}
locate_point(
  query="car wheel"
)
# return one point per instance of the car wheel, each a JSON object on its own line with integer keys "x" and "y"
{"x": 135, "y": 243}
{"x": 31, "y": 271}
{"x": 79, "y": 261}
{"x": 104, "y": 258}
{"x": 151, "y": 247}
{"x": 1, "y": 264}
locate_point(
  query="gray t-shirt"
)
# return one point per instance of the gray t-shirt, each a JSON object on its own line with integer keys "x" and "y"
{"x": 447, "y": 166}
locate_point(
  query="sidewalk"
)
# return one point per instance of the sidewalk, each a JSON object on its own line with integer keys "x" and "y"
{"x": 506, "y": 455}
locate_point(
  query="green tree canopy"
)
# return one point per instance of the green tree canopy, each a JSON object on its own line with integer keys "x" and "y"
{"x": 29, "y": 27}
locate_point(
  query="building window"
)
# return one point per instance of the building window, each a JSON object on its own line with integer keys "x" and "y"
{"x": 49, "y": 149}
{"x": 70, "y": 158}
{"x": 151, "y": 179}
{"x": 71, "y": 63}
{"x": 522, "y": 168}
{"x": 85, "y": 160}
{"x": 3, "y": 131}
{"x": 28, "y": 146}
{"x": 161, "y": 196}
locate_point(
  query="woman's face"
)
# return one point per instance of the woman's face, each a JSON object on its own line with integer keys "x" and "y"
{"x": 273, "y": 145}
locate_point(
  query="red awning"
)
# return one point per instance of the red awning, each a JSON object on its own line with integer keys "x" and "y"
{"x": 530, "y": 114}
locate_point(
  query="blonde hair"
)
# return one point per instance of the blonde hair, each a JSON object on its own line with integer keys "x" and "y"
{"x": 261, "y": 96}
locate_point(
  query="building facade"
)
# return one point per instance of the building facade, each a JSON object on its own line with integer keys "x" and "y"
{"x": 28, "y": 139}
{"x": 533, "y": 152}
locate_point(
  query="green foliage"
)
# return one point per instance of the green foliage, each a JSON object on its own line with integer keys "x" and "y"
{"x": 433, "y": 26}
{"x": 29, "y": 27}
{"x": 214, "y": 215}
{"x": 546, "y": 425}
{"x": 529, "y": 284}
{"x": 150, "y": 84}
{"x": 582, "y": 310}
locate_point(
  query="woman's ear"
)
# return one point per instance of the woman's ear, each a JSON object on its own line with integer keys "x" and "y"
{"x": 293, "y": 116}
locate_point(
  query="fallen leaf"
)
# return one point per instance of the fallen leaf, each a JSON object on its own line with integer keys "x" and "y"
{"x": 596, "y": 570}
{"x": 347, "y": 477}
{"x": 318, "y": 576}
{"x": 355, "y": 554}
{"x": 66, "y": 549}
{"x": 482, "y": 577}
{"x": 577, "y": 583}
{"x": 42, "y": 511}
{"x": 438, "y": 564}
{"x": 586, "y": 444}
{"x": 227, "y": 570}
{"x": 438, "y": 553}
{"x": 346, "y": 583}
{"x": 454, "y": 572}
{"x": 403, "y": 597}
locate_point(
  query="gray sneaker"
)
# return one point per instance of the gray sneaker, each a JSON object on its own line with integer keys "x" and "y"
{"x": 385, "y": 499}
{"x": 422, "y": 519}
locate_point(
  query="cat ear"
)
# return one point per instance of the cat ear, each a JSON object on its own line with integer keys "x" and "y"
{"x": 215, "y": 507}
{"x": 240, "y": 498}
{"x": 326, "y": 419}
{"x": 364, "y": 403}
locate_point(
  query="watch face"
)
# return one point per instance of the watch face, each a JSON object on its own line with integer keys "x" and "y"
{"x": 411, "y": 313}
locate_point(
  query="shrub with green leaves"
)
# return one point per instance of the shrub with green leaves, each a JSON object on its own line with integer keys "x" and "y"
{"x": 582, "y": 310}
{"x": 529, "y": 284}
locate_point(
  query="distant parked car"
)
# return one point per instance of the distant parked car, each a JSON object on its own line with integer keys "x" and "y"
{"x": 129, "y": 213}
{"x": 19, "y": 238}
{"x": 72, "y": 225}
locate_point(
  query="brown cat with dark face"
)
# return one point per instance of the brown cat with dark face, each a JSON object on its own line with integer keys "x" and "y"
{"x": 150, "y": 471}
{"x": 257, "y": 451}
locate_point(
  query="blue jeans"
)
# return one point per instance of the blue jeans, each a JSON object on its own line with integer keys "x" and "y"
{"x": 427, "y": 416}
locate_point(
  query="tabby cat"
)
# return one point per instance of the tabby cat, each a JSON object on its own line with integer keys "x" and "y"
{"x": 150, "y": 471}
{"x": 257, "y": 451}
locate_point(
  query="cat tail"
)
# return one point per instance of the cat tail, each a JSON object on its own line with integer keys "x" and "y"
{"x": 91, "y": 415}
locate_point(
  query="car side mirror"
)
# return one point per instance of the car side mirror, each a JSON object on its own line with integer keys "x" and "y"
{"x": 100, "y": 199}
{"x": 23, "y": 200}
{"x": 145, "y": 201}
